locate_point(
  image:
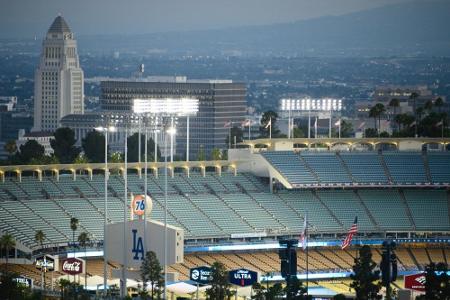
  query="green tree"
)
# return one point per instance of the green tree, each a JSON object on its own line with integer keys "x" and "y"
{"x": 94, "y": 146}
{"x": 80, "y": 159}
{"x": 298, "y": 132}
{"x": 7, "y": 242}
{"x": 269, "y": 116}
{"x": 365, "y": 278}
{"x": 394, "y": 104}
{"x": 216, "y": 154}
{"x": 11, "y": 289}
{"x": 428, "y": 106}
{"x": 296, "y": 290}
{"x": 39, "y": 237}
{"x": 220, "y": 287}
{"x": 376, "y": 113}
{"x": 437, "y": 283}
{"x": 73, "y": 226}
{"x": 64, "y": 286}
{"x": 116, "y": 157}
{"x": 11, "y": 147}
{"x": 439, "y": 103}
{"x": 274, "y": 292}
{"x": 235, "y": 132}
{"x": 370, "y": 132}
{"x": 83, "y": 240}
{"x": 259, "y": 292}
{"x": 201, "y": 154}
{"x": 31, "y": 150}
{"x": 133, "y": 148}
{"x": 64, "y": 145}
{"x": 339, "y": 297}
{"x": 152, "y": 272}
{"x": 414, "y": 97}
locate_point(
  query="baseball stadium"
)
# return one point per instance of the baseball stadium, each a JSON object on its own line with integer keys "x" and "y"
{"x": 236, "y": 211}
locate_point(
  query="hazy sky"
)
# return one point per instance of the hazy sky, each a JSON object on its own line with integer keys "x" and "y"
{"x": 27, "y": 18}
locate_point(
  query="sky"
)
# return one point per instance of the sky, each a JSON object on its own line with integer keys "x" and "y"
{"x": 29, "y": 18}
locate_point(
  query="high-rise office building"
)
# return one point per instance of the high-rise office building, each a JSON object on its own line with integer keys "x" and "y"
{"x": 59, "y": 87}
{"x": 220, "y": 102}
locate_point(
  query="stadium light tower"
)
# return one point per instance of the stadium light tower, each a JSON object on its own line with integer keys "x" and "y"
{"x": 106, "y": 130}
{"x": 298, "y": 107}
{"x": 167, "y": 109}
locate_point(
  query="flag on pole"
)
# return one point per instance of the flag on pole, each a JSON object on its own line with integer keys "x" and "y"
{"x": 227, "y": 124}
{"x": 440, "y": 123}
{"x": 362, "y": 125}
{"x": 352, "y": 231}
{"x": 315, "y": 123}
{"x": 338, "y": 123}
{"x": 269, "y": 124}
{"x": 412, "y": 124}
{"x": 246, "y": 123}
{"x": 303, "y": 237}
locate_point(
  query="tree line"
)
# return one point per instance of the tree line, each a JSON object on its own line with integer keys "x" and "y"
{"x": 427, "y": 120}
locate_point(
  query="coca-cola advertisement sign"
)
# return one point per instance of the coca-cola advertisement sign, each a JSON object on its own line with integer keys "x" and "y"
{"x": 72, "y": 266}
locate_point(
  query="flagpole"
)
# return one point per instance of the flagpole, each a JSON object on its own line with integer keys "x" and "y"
{"x": 309, "y": 124}
{"x": 329, "y": 127}
{"x": 339, "y": 128}
{"x": 442, "y": 129}
{"x": 315, "y": 129}
{"x": 229, "y": 136}
{"x": 307, "y": 255}
{"x": 270, "y": 128}
{"x": 249, "y": 123}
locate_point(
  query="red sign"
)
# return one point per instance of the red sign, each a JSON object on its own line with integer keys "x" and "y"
{"x": 72, "y": 266}
{"x": 415, "y": 282}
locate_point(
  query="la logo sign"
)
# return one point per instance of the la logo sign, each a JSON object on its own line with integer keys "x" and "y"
{"x": 138, "y": 246}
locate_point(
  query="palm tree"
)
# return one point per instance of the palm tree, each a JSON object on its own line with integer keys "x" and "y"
{"x": 414, "y": 96}
{"x": 7, "y": 242}
{"x": 439, "y": 103}
{"x": 394, "y": 103}
{"x": 11, "y": 147}
{"x": 376, "y": 112}
{"x": 84, "y": 239}
{"x": 373, "y": 114}
{"x": 428, "y": 106}
{"x": 39, "y": 237}
{"x": 73, "y": 226}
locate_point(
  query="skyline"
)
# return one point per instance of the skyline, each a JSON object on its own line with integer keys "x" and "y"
{"x": 26, "y": 18}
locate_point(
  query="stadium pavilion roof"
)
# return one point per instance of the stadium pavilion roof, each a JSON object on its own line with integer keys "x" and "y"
{"x": 90, "y": 167}
{"x": 399, "y": 143}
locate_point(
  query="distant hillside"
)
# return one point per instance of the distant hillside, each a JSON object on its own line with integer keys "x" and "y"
{"x": 413, "y": 28}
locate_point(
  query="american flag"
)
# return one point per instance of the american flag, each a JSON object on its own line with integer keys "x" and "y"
{"x": 227, "y": 124}
{"x": 353, "y": 230}
{"x": 246, "y": 123}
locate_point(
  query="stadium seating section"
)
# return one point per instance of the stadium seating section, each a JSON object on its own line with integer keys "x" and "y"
{"x": 309, "y": 168}
{"x": 217, "y": 206}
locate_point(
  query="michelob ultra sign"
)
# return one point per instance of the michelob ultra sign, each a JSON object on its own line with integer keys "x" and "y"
{"x": 243, "y": 277}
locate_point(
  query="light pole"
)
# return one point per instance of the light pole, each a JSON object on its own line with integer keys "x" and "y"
{"x": 166, "y": 108}
{"x": 105, "y": 222}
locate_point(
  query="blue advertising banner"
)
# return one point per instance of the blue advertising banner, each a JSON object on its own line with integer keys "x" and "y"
{"x": 242, "y": 277}
{"x": 201, "y": 274}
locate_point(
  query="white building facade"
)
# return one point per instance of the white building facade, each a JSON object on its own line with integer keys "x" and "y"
{"x": 59, "y": 80}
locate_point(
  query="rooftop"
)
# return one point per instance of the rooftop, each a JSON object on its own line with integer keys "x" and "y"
{"x": 59, "y": 25}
